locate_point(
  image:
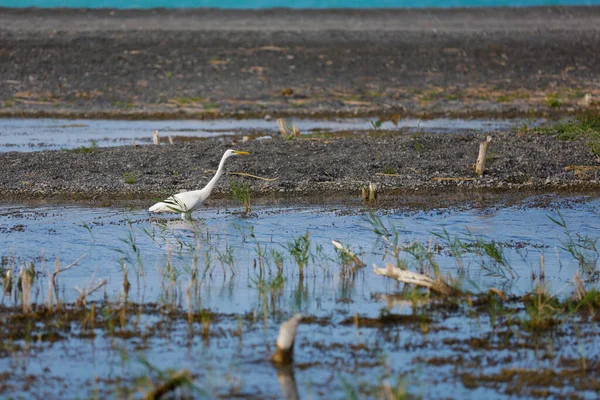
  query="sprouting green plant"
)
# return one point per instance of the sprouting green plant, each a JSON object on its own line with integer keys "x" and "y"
{"x": 543, "y": 311}
{"x": 241, "y": 192}
{"x": 277, "y": 258}
{"x": 455, "y": 247}
{"x": 131, "y": 244}
{"x": 390, "y": 238}
{"x": 226, "y": 258}
{"x": 389, "y": 170}
{"x": 376, "y": 124}
{"x": 553, "y": 100}
{"x": 418, "y": 146}
{"x": 86, "y": 226}
{"x": 84, "y": 149}
{"x": 583, "y": 248}
{"x": 299, "y": 249}
{"x": 129, "y": 178}
{"x": 424, "y": 257}
{"x": 495, "y": 261}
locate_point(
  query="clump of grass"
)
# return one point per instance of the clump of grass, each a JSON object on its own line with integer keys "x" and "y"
{"x": 553, "y": 100}
{"x": 389, "y": 170}
{"x": 583, "y": 248}
{"x": 187, "y": 100}
{"x": 84, "y": 149}
{"x": 299, "y": 249}
{"x": 129, "y": 178}
{"x": 583, "y": 126}
{"x": 418, "y": 146}
{"x": 241, "y": 192}
{"x": 122, "y": 104}
{"x": 211, "y": 105}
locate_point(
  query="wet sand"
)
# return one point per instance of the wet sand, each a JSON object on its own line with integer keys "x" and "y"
{"x": 211, "y": 63}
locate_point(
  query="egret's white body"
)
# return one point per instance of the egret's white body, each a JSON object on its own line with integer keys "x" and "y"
{"x": 187, "y": 202}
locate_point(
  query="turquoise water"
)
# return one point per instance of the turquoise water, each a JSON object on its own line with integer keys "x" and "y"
{"x": 255, "y": 4}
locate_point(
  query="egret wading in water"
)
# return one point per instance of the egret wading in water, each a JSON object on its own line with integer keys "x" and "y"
{"x": 187, "y": 202}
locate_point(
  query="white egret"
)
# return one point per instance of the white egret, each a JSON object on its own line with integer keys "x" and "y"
{"x": 187, "y": 202}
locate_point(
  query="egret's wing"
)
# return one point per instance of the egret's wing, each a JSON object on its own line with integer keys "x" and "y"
{"x": 176, "y": 204}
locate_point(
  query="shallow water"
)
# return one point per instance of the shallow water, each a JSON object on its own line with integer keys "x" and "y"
{"x": 107, "y": 237}
{"x": 56, "y": 134}
{"x": 333, "y": 358}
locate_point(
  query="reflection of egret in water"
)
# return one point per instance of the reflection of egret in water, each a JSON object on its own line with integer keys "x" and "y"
{"x": 192, "y": 225}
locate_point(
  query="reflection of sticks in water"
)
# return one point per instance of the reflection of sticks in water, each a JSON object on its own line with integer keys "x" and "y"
{"x": 178, "y": 379}
{"x": 8, "y": 282}
{"x": 287, "y": 382}
{"x": 284, "y": 351}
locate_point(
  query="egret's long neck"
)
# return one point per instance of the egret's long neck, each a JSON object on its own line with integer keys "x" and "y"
{"x": 213, "y": 181}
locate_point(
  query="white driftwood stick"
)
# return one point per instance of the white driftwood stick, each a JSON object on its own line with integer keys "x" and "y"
{"x": 357, "y": 261}
{"x": 483, "y": 149}
{"x": 284, "y": 351}
{"x": 286, "y": 130}
{"x": 412, "y": 278}
{"x": 155, "y": 138}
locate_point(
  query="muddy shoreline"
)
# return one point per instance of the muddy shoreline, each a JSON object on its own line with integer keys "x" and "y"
{"x": 307, "y": 167}
{"x": 218, "y": 63}
{"x": 171, "y": 64}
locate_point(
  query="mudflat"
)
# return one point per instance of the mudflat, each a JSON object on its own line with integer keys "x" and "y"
{"x": 214, "y": 63}
{"x": 151, "y": 64}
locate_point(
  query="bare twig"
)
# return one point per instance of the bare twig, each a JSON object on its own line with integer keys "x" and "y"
{"x": 155, "y": 138}
{"x": 212, "y": 171}
{"x": 59, "y": 270}
{"x": 84, "y": 293}
{"x": 440, "y": 179}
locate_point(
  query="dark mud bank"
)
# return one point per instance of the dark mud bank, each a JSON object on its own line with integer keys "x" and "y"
{"x": 222, "y": 63}
{"x": 317, "y": 167}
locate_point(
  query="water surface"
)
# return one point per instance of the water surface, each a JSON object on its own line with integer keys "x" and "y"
{"x": 56, "y": 134}
{"x": 237, "y": 279}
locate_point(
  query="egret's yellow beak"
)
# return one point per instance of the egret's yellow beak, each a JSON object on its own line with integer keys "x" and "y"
{"x": 240, "y": 152}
